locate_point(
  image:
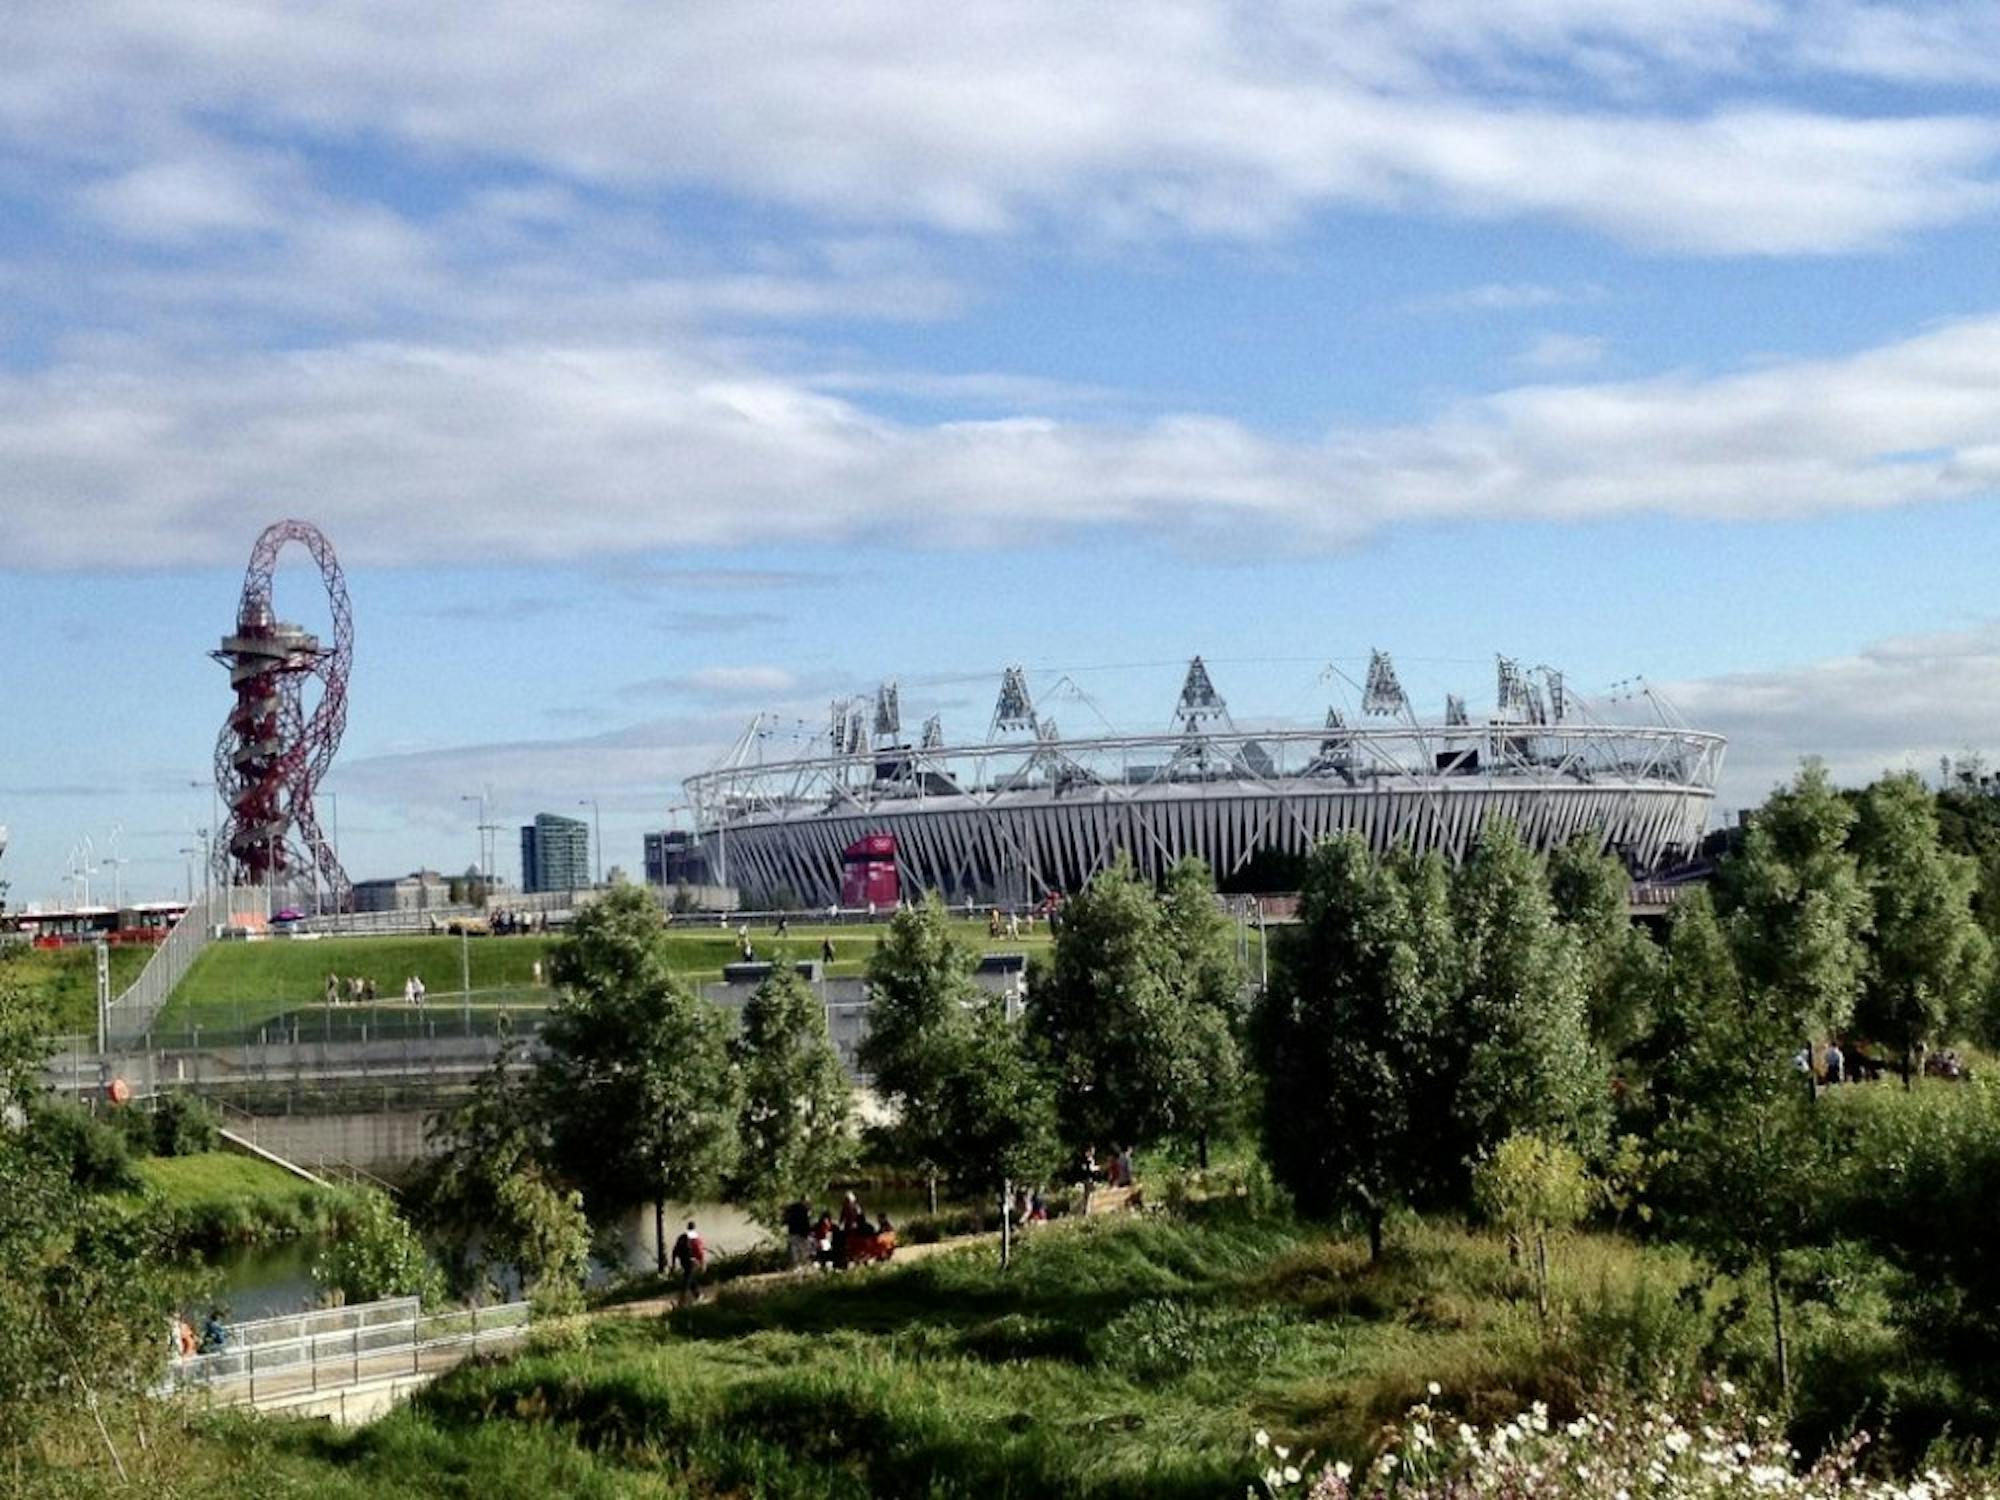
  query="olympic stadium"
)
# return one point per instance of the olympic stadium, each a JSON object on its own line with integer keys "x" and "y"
{"x": 863, "y": 811}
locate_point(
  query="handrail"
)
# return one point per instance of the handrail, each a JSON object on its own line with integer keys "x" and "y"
{"x": 289, "y": 1367}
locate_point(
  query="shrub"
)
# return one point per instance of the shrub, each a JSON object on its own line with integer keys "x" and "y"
{"x": 378, "y": 1256}
{"x": 183, "y": 1125}
{"x": 94, "y": 1152}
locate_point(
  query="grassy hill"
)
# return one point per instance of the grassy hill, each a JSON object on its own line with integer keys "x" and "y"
{"x": 67, "y": 979}
{"x": 238, "y": 986}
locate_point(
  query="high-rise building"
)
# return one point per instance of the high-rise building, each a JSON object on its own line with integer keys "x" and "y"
{"x": 555, "y": 853}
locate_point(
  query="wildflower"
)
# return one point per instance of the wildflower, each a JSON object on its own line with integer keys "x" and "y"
{"x": 1435, "y": 1389}
{"x": 1291, "y": 1474}
{"x": 1263, "y": 1438}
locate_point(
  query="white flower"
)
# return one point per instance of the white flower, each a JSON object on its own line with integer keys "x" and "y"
{"x": 1435, "y": 1389}
{"x": 1263, "y": 1438}
{"x": 1726, "y": 1388}
{"x": 1342, "y": 1470}
{"x": 1291, "y": 1474}
{"x": 1283, "y": 1453}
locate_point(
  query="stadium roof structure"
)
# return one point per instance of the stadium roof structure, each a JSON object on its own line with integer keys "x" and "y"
{"x": 1027, "y": 810}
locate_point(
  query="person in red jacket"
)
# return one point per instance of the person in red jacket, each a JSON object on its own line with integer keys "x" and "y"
{"x": 690, "y": 1259}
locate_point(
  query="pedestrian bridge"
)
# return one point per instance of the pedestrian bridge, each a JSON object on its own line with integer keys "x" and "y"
{"x": 347, "y": 1363}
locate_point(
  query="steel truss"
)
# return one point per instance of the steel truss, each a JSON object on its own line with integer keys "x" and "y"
{"x": 1014, "y": 819}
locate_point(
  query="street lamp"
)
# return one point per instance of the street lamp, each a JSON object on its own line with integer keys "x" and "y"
{"x": 596, "y": 833}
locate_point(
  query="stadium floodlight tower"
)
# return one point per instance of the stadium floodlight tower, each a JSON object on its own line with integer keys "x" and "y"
{"x": 271, "y": 756}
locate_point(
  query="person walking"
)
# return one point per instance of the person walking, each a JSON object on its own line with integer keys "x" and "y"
{"x": 798, "y": 1234}
{"x": 690, "y": 1259}
{"x": 1836, "y": 1062}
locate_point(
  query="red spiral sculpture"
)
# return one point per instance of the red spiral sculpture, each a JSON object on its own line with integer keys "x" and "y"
{"x": 270, "y": 756}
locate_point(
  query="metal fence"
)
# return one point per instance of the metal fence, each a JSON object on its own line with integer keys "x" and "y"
{"x": 132, "y": 1011}
{"x": 382, "y": 1347}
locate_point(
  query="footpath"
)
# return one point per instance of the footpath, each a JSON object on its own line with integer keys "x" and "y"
{"x": 1103, "y": 1201}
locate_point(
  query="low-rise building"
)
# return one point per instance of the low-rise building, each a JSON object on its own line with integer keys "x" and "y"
{"x": 420, "y": 890}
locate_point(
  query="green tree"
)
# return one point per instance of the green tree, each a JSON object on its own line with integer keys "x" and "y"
{"x": 1118, "y": 1025}
{"x": 86, "y": 1278}
{"x": 795, "y": 1125}
{"x": 1928, "y": 961}
{"x": 1208, "y": 977}
{"x": 635, "y": 1079}
{"x": 377, "y": 1255}
{"x": 1351, "y": 1038}
{"x": 1534, "y": 1188}
{"x": 1529, "y": 1062}
{"x": 1798, "y": 908}
{"x": 1591, "y": 894}
{"x": 998, "y": 1110}
{"x": 488, "y": 1194}
{"x": 1748, "y": 1167}
{"x": 1700, "y": 995}
{"x": 920, "y": 986}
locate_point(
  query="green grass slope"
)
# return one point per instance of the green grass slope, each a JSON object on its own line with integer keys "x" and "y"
{"x": 1115, "y": 1359}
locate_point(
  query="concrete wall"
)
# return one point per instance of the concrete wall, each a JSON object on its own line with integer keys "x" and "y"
{"x": 385, "y": 1142}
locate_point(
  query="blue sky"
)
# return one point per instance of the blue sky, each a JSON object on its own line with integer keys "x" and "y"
{"x": 649, "y": 369}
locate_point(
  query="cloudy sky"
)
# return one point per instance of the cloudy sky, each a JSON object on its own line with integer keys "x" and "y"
{"x": 654, "y": 365}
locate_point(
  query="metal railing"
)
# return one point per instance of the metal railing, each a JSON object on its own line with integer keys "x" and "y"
{"x": 271, "y": 1369}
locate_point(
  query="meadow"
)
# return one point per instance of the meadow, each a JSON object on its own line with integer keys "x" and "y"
{"x": 1121, "y": 1357}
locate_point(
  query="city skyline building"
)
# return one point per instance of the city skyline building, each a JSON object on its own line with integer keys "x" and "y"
{"x": 555, "y": 854}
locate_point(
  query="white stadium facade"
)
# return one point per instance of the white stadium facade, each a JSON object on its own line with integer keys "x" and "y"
{"x": 1027, "y": 811}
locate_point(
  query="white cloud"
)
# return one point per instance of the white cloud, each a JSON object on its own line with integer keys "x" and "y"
{"x": 721, "y": 683}
{"x": 1895, "y": 705}
{"x": 1505, "y": 296}
{"x": 1562, "y": 351}
{"x": 1194, "y": 116}
{"x": 407, "y": 452}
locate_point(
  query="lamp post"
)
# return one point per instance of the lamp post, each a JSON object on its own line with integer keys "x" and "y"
{"x": 596, "y": 833}
{"x": 483, "y": 829}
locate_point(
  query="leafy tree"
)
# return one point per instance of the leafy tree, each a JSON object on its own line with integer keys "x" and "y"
{"x": 86, "y": 1277}
{"x": 998, "y": 1110}
{"x": 488, "y": 1193}
{"x": 1744, "y": 1161}
{"x": 1119, "y": 1024}
{"x": 1534, "y": 1188}
{"x": 378, "y": 1255}
{"x": 1529, "y": 1061}
{"x": 920, "y": 986}
{"x": 1591, "y": 891}
{"x": 1928, "y": 961}
{"x": 635, "y": 1079}
{"x": 1351, "y": 1038}
{"x": 1749, "y": 1165}
{"x": 1798, "y": 907}
{"x": 1208, "y": 977}
{"x": 795, "y": 1121}
{"x": 1700, "y": 994}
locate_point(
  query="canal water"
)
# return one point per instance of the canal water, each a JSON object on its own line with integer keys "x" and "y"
{"x": 269, "y": 1281}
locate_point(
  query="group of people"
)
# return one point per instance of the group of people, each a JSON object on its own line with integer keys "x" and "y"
{"x": 414, "y": 992}
{"x": 184, "y": 1343}
{"x": 1114, "y": 1173}
{"x": 1851, "y": 1064}
{"x": 356, "y": 990}
{"x": 831, "y": 1243}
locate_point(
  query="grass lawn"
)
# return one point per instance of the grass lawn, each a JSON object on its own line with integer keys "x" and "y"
{"x": 1115, "y": 1359}
{"x": 220, "y": 1198}
{"x": 67, "y": 979}
{"x": 236, "y": 987}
